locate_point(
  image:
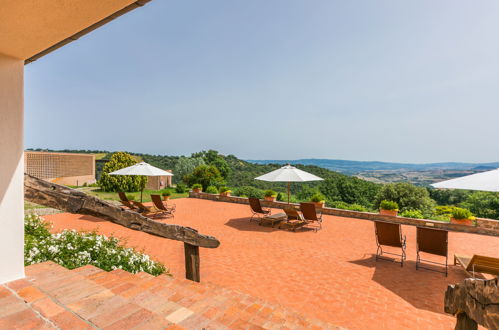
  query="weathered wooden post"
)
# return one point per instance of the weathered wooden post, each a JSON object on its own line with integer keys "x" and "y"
{"x": 474, "y": 302}
{"x": 192, "y": 262}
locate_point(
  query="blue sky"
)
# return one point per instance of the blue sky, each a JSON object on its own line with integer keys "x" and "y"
{"x": 278, "y": 79}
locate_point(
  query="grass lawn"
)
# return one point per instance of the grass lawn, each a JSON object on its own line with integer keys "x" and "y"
{"x": 146, "y": 196}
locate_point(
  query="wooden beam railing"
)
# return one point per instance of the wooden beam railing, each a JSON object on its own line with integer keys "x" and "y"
{"x": 74, "y": 201}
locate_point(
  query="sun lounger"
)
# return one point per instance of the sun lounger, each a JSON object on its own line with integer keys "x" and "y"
{"x": 128, "y": 205}
{"x": 478, "y": 264}
{"x": 158, "y": 203}
{"x": 148, "y": 211}
{"x": 293, "y": 221}
{"x": 123, "y": 196}
{"x": 389, "y": 234}
{"x": 310, "y": 215}
{"x": 257, "y": 209}
{"x": 433, "y": 241}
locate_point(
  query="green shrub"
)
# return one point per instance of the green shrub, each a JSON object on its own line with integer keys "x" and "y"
{"x": 206, "y": 175}
{"x": 269, "y": 193}
{"x": 130, "y": 197}
{"x": 317, "y": 198}
{"x": 166, "y": 193}
{"x": 248, "y": 191}
{"x": 117, "y": 183}
{"x": 345, "y": 206}
{"x": 416, "y": 214}
{"x": 407, "y": 196}
{"x": 444, "y": 210}
{"x": 72, "y": 249}
{"x": 224, "y": 189}
{"x": 197, "y": 186}
{"x": 389, "y": 205}
{"x": 180, "y": 188}
{"x": 462, "y": 214}
{"x": 445, "y": 218}
{"x": 212, "y": 190}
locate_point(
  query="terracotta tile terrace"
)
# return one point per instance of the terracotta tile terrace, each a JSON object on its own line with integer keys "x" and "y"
{"x": 330, "y": 274}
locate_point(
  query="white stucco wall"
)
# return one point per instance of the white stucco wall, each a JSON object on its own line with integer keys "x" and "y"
{"x": 11, "y": 169}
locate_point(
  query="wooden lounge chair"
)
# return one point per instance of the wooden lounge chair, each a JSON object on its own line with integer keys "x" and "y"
{"x": 310, "y": 215}
{"x": 478, "y": 264}
{"x": 158, "y": 203}
{"x": 125, "y": 201}
{"x": 257, "y": 209}
{"x": 148, "y": 211}
{"x": 389, "y": 234}
{"x": 123, "y": 196}
{"x": 294, "y": 219}
{"x": 129, "y": 205}
{"x": 434, "y": 241}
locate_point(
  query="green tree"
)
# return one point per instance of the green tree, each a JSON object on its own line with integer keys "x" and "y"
{"x": 116, "y": 183}
{"x": 482, "y": 204}
{"x": 212, "y": 157}
{"x": 185, "y": 165}
{"x": 407, "y": 196}
{"x": 206, "y": 175}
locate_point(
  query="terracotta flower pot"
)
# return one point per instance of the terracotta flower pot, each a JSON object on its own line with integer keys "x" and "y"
{"x": 392, "y": 213}
{"x": 464, "y": 222}
{"x": 226, "y": 194}
{"x": 319, "y": 205}
{"x": 196, "y": 190}
{"x": 166, "y": 198}
{"x": 270, "y": 198}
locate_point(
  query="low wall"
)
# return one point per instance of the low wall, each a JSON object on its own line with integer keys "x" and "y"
{"x": 488, "y": 227}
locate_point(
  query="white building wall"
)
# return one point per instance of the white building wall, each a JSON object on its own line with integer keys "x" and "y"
{"x": 11, "y": 169}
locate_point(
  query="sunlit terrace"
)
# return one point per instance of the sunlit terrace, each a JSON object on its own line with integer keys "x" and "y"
{"x": 330, "y": 274}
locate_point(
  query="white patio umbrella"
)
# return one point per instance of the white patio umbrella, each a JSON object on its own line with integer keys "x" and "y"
{"x": 141, "y": 169}
{"x": 288, "y": 174}
{"x": 485, "y": 181}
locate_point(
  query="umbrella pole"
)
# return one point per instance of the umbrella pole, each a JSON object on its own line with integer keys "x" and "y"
{"x": 289, "y": 190}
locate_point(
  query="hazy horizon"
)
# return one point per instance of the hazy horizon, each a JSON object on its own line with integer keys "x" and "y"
{"x": 405, "y": 82}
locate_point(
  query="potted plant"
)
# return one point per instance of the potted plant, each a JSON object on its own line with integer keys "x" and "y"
{"x": 318, "y": 199}
{"x": 388, "y": 208}
{"x": 166, "y": 195}
{"x": 462, "y": 217}
{"x": 211, "y": 190}
{"x": 224, "y": 191}
{"x": 270, "y": 195}
{"x": 197, "y": 188}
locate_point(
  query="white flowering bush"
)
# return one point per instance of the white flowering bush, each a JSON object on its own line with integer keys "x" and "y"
{"x": 73, "y": 249}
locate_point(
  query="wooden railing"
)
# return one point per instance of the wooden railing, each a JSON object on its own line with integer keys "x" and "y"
{"x": 74, "y": 201}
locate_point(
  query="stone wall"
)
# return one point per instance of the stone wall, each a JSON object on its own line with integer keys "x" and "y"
{"x": 483, "y": 226}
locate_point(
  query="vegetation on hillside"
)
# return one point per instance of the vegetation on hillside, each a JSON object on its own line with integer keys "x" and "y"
{"x": 339, "y": 190}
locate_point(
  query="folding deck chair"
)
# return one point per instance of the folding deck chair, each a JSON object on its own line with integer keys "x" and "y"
{"x": 158, "y": 203}
{"x": 256, "y": 208}
{"x": 389, "y": 234}
{"x": 434, "y": 241}
{"x": 309, "y": 212}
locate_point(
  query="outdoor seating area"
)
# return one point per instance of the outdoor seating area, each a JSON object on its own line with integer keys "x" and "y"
{"x": 289, "y": 217}
{"x": 334, "y": 268}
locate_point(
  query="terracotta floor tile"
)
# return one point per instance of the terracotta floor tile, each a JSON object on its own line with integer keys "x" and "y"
{"x": 333, "y": 268}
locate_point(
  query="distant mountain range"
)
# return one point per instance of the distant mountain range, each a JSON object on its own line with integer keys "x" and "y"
{"x": 385, "y": 172}
{"x": 354, "y": 167}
